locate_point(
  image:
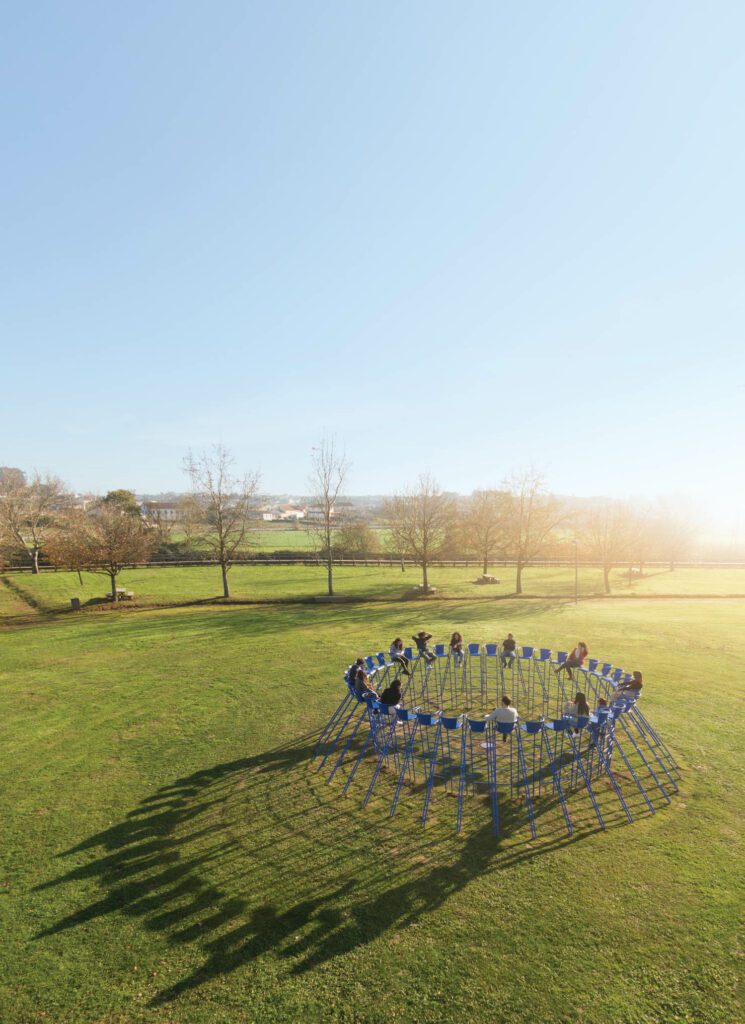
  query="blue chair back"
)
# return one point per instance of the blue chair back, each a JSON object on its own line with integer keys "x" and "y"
{"x": 561, "y": 657}
{"x": 592, "y": 664}
{"x": 491, "y": 650}
{"x": 583, "y": 721}
{"x": 505, "y": 728}
{"x": 477, "y": 724}
{"x": 370, "y": 663}
{"x": 557, "y": 724}
{"x": 451, "y": 723}
{"x": 381, "y": 659}
{"x": 544, "y": 654}
{"x": 473, "y": 649}
{"x": 527, "y": 652}
{"x": 408, "y": 653}
{"x": 531, "y": 727}
{"x": 440, "y": 650}
{"x": 426, "y": 717}
{"x": 405, "y": 714}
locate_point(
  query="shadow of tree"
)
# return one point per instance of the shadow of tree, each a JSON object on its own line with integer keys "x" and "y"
{"x": 258, "y": 857}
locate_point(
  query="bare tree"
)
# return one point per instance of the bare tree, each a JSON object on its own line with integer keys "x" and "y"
{"x": 531, "y": 516}
{"x": 675, "y": 527}
{"x": 105, "y": 539}
{"x": 484, "y": 524}
{"x": 328, "y": 475}
{"x": 225, "y": 503}
{"x": 418, "y": 521}
{"x": 28, "y": 509}
{"x": 607, "y": 530}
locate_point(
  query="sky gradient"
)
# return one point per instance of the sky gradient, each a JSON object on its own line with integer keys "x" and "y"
{"x": 461, "y": 237}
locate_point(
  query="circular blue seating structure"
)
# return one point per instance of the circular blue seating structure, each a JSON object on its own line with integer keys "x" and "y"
{"x": 445, "y": 738}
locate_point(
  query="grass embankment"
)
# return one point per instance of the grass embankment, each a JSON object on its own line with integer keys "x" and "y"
{"x": 168, "y": 856}
{"x": 51, "y": 591}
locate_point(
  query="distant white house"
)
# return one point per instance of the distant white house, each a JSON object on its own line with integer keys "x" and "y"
{"x": 166, "y": 511}
{"x": 283, "y": 513}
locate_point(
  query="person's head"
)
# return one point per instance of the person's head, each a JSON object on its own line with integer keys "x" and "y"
{"x": 582, "y": 706}
{"x": 398, "y": 642}
{"x": 506, "y": 701}
{"x": 602, "y": 702}
{"x": 582, "y": 646}
{"x": 360, "y": 662}
{"x": 396, "y": 686}
{"x": 510, "y": 636}
{"x": 456, "y": 638}
{"x": 637, "y": 677}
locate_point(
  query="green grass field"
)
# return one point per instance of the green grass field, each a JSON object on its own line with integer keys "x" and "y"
{"x": 168, "y": 856}
{"x": 51, "y": 591}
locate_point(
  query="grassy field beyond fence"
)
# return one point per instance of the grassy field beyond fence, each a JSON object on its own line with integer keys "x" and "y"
{"x": 51, "y": 591}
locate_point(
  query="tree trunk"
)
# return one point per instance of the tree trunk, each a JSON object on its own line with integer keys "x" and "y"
{"x": 113, "y": 586}
{"x": 606, "y": 578}
{"x": 486, "y": 564}
{"x": 80, "y": 577}
{"x": 403, "y": 567}
{"x": 35, "y": 561}
{"x": 330, "y": 570}
{"x": 519, "y": 579}
{"x": 225, "y": 586}
{"x": 425, "y": 582}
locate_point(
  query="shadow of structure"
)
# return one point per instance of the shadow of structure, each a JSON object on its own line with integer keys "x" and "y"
{"x": 259, "y": 856}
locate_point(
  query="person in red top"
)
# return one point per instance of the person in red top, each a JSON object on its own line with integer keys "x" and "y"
{"x": 574, "y": 660}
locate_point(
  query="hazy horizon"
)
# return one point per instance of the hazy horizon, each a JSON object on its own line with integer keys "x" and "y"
{"x": 462, "y": 240}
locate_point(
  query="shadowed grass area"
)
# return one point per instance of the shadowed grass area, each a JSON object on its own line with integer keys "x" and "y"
{"x": 51, "y": 591}
{"x": 168, "y": 855}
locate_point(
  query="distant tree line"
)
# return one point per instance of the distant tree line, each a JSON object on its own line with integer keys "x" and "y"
{"x": 519, "y": 521}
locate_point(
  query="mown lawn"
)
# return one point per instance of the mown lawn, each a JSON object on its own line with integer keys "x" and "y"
{"x": 51, "y": 591}
{"x": 167, "y": 854}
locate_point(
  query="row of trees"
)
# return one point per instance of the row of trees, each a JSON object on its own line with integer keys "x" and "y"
{"x": 519, "y": 521}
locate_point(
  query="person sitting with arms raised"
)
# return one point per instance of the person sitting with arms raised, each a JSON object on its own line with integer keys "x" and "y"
{"x": 397, "y": 656}
{"x": 631, "y": 689}
{"x": 578, "y": 708}
{"x": 421, "y": 639}
{"x": 456, "y": 648}
{"x": 392, "y": 694}
{"x": 508, "y": 651}
{"x": 574, "y": 660}
{"x": 505, "y": 713}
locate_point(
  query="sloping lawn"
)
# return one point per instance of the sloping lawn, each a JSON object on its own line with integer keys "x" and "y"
{"x": 168, "y": 855}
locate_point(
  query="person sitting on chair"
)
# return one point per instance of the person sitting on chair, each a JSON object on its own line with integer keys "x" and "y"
{"x": 421, "y": 639}
{"x": 505, "y": 713}
{"x": 392, "y": 694}
{"x": 351, "y": 676}
{"x": 574, "y": 660}
{"x": 456, "y": 648}
{"x": 396, "y": 652}
{"x": 508, "y": 651}
{"x": 577, "y": 708}
{"x": 362, "y": 686}
{"x": 631, "y": 689}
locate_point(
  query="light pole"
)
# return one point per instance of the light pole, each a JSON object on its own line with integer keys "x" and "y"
{"x": 576, "y": 573}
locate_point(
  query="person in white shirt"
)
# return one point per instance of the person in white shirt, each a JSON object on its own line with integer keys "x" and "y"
{"x": 505, "y": 713}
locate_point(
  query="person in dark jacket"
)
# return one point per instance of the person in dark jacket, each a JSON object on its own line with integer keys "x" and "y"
{"x": 421, "y": 639}
{"x": 508, "y": 651}
{"x": 392, "y": 693}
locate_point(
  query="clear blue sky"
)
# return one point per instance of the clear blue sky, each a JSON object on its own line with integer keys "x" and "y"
{"x": 461, "y": 236}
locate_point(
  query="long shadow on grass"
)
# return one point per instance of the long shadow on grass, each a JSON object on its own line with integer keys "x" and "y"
{"x": 258, "y": 860}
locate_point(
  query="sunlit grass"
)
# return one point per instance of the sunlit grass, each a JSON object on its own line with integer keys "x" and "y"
{"x": 167, "y": 855}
